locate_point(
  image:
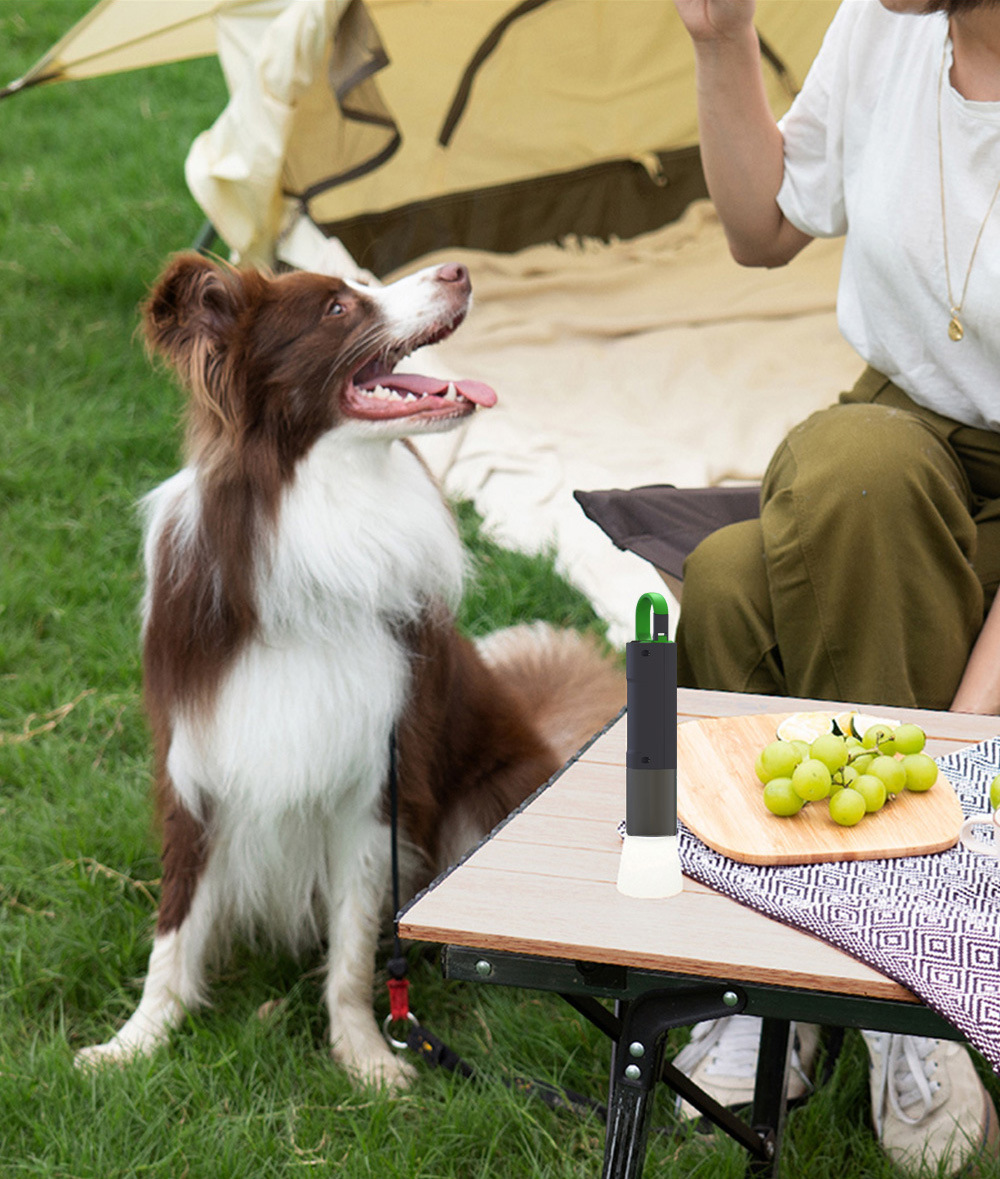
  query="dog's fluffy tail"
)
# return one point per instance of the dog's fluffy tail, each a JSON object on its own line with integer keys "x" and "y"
{"x": 567, "y": 684}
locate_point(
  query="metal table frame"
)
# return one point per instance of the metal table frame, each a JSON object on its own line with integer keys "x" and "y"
{"x": 647, "y": 1004}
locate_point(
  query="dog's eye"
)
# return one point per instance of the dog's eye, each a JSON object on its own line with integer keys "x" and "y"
{"x": 334, "y": 308}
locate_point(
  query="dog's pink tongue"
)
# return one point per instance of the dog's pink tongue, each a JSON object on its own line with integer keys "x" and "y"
{"x": 474, "y": 391}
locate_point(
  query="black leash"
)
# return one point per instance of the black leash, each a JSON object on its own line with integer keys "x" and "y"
{"x": 398, "y": 982}
{"x": 437, "y": 1054}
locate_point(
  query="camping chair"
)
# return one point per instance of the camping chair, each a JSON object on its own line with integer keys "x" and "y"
{"x": 662, "y": 523}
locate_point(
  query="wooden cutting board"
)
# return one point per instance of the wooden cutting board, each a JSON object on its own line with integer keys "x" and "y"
{"x": 719, "y": 799}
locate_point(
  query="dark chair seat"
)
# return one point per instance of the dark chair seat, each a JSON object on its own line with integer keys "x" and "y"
{"x": 662, "y": 523}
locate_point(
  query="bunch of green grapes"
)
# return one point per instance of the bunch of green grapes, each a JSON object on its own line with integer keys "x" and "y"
{"x": 857, "y": 775}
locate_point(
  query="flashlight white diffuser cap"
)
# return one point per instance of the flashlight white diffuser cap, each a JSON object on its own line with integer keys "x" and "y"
{"x": 650, "y": 866}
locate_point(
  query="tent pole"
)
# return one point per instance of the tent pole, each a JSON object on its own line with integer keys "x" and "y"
{"x": 206, "y": 238}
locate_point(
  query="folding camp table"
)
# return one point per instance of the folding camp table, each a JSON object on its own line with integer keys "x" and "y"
{"x": 536, "y": 906}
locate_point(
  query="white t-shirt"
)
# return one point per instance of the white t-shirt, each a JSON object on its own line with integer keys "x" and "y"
{"x": 861, "y": 159}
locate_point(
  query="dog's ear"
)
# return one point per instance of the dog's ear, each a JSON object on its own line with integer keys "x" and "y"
{"x": 193, "y": 305}
{"x": 190, "y": 319}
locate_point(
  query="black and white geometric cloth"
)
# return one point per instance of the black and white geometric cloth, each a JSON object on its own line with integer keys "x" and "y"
{"x": 930, "y": 922}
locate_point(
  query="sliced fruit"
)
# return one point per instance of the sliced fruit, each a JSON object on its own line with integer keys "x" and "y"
{"x": 843, "y": 724}
{"x": 805, "y": 726}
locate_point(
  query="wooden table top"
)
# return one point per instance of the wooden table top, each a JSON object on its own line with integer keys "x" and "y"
{"x": 545, "y": 883}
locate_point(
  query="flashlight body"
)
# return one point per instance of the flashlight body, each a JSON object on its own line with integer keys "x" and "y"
{"x": 651, "y": 739}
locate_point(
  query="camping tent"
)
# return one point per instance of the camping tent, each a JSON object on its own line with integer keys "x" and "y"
{"x": 406, "y": 125}
{"x": 375, "y": 134}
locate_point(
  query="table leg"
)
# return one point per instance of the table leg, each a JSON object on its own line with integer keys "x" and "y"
{"x": 629, "y": 1110}
{"x": 629, "y": 1106}
{"x": 768, "y": 1116}
{"x": 637, "y": 1033}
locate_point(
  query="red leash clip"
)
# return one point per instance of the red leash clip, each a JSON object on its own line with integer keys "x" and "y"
{"x": 399, "y": 998}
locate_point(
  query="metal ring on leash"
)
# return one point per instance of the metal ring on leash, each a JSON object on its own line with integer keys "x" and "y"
{"x": 399, "y": 1045}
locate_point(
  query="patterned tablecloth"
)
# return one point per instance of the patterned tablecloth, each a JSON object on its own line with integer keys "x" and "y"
{"x": 930, "y": 922}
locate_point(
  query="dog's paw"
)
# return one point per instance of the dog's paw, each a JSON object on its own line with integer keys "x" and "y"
{"x": 377, "y": 1068}
{"x": 392, "y": 1074}
{"x": 114, "y": 1052}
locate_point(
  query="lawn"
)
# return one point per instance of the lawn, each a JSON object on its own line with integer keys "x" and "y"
{"x": 92, "y": 201}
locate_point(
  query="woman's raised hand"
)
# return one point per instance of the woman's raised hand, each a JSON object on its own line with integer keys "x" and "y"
{"x": 711, "y": 20}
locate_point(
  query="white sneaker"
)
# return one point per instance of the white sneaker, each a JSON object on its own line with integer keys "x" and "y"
{"x": 928, "y": 1103}
{"x": 721, "y": 1059}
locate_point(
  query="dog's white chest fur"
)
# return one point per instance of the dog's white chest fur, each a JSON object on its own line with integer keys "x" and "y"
{"x": 302, "y": 718}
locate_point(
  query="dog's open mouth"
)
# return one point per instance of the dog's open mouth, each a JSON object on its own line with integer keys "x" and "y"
{"x": 376, "y": 393}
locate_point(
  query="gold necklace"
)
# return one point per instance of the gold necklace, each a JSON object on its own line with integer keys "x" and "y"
{"x": 955, "y": 328}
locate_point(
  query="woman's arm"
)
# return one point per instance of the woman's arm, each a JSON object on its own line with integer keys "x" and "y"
{"x": 741, "y": 147}
{"x": 979, "y": 690}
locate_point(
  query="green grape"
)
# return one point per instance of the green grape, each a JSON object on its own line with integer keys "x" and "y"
{"x": 890, "y": 771}
{"x": 872, "y": 790}
{"x": 777, "y": 760}
{"x": 879, "y": 737}
{"x": 802, "y": 747}
{"x": 995, "y": 792}
{"x": 780, "y": 797}
{"x": 831, "y": 750}
{"x": 812, "y": 779}
{"x": 847, "y": 775}
{"x": 847, "y": 807}
{"x": 862, "y": 762}
{"x": 921, "y": 772}
{"x": 909, "y": 739}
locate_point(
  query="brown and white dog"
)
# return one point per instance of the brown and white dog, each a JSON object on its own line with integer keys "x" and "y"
{"x": 302, "y": 570}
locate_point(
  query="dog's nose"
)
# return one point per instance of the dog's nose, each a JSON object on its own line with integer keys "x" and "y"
{"x": 454, "y": 272}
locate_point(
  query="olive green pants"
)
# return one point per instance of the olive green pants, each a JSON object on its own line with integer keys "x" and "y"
{"x": 868, "y": 574}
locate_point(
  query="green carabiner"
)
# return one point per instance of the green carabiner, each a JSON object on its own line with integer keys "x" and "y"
{"x": 658, "y": 632}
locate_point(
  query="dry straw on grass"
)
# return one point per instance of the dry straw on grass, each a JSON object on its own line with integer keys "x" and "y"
{"x": 30, "y": 729}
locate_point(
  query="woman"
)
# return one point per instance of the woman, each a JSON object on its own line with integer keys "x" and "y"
{"x": 871, "y": 574}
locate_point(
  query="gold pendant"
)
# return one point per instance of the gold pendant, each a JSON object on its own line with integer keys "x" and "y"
{"x": 955, "y": 329}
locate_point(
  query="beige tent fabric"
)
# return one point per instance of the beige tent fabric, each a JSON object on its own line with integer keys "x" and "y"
{"x": 573, "y": 83}
{"x": 234, "y": 169}
{"x": 117, "y": 35}
{"x": 362, "y": 91}
{"x": 656, "y": 360}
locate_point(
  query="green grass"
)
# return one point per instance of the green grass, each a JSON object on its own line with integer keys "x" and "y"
{"x": 92, "y": 201}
